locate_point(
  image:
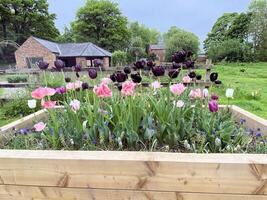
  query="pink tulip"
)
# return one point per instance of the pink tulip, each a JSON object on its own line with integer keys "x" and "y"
{"x": 128, "y": 88}
{"x": 106, "y": 81}
{"x": 102, "y": 91}
{"x": 78, "y": 84}
{"x": 39, "y": 127}
{"x": 177, "y": 89}
{"x": 48, "y": 104}
{"x": 42, "y": 92}
{"x": 70, "y": 86}
{"x": 75, "y": 105}
{"x": 186, "y": 79}
{"x": 197, "y": 93}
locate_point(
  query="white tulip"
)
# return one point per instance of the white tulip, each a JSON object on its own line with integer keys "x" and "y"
{"x": 229, "y": 93}
{"x": 32, "y": 103}
{"x": 218, "y": 142}
{"x": 179, "y": 104}
{"x": 205, "y": 93}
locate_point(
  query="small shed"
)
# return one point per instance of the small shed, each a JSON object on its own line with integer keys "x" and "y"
{"x": 35, "y": 49}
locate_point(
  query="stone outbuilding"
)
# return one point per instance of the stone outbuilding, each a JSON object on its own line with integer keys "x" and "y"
{"x": 36, "y": 49}
{"x": 159, "y": 50}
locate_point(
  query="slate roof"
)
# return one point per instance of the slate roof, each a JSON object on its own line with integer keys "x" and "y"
{"x": 74, "y": 49}
{"x": 157, "y": 46}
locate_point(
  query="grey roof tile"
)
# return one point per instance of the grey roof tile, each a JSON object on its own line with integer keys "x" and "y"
{"x": 74, "y": 49}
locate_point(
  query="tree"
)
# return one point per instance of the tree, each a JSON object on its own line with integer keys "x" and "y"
{"x": 119, "y": 58}
{"x": 147, "y": 35}
{"x": 101, "y": 22}
{"x": 66, "y": 37}
{"x": 178, "y": 39}
{"x": 231, "y": 50}
{"x": 22, "y": 18}
{"x": 258, "y": 24}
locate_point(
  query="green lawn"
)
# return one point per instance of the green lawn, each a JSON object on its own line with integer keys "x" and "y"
{"x": 253, "y": 79}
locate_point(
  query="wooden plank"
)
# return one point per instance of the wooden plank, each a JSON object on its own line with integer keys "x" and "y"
{"x": 214, "y": 173}
{"x": 252, "y": 121}
{"x": 54, "y": 193}
{"x": 27, "y": 121}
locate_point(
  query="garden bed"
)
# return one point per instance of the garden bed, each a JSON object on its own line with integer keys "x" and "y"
{"x": 68, "y": 175}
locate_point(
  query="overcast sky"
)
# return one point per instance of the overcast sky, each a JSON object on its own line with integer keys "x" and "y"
{"x": 197, "y": 16}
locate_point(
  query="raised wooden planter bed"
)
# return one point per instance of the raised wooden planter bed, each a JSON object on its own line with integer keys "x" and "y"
{"x": 65, "y": 175}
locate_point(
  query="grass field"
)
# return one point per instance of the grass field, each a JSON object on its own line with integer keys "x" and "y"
{"x": 253, "y": 79}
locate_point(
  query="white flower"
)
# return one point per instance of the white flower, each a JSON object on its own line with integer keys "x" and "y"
{"x": 218, "y": 142}
{"x": 228, "y": 148}
{"x": 205, "y": 93}
{"x": 71, "y": 141}
{"x": 229, "y": 93}
{"x": 84, "y": 125}
{"x": 32, "y": 103}
{"x": 187, "y": 145}
{"x": 179, "y": 104}
{"x": 156, "y": 85}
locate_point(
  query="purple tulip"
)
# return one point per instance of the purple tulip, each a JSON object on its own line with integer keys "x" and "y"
{"x": 192, "y": 74}
{"x": 173, "y": 73}
{"x": 198, "y": 77}
{"x": 113, "y": 77}
{"x": 127, "y": 70}
{"x": 59, "y": 64}
{"x": 213, "y": 106}
{"x": 61, "y": 90}
{"x": 92, "y": 73}
{"x": 85, "y": 86}
{"x": 176, "y": 65}
{"x": 158, "y": 71}
{"x": 136, "y": 78}
{"x": 121, "y": 77}
{"x": 78, "y": 68}
{"x": 214, "y": 97}
{"x": 189, "y": 64}
{"x": 213, "y": 76}
{"x": 67, "y": 80}
{"x": 97, "y": 62}
{"x": 179, "y": 56}
{"x": 140, "y": 64}
{"x": 43, "y": 65}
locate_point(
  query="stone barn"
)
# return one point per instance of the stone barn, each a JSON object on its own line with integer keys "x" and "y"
{"x": 36, "y": 49}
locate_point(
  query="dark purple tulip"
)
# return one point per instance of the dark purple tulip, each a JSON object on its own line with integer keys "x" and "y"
{"x": 218, "y": 82}
{"x": 136, "y": 78}
{"x": 97, "y": 63}
{"x": 176, "y": 65}
{"x": 113, "y": 77}
{"x": 59, "y": 64}
{"x": 121, "y": 77}
{"x": 78, "y": 68}
{"x": 85, "y": 86}
{"x": 192, "y": 74}
{"x": 173, "y": 73}
{"x": 140, "y": 64}
{"x": 213, "y": 106}
{"x": 214, "y": 97}
{"x": 92, "y": 72}
{"x": 179, "y": 56}
{"x": 158, "y": 71}
{"x": 43, "y": 65}
{"x": 189, "y": 54}
{"x": 127, "y": 70}
{"x": 150, "y": 64}
{"x": 189, "y": 64}
{"x": 67, "y": 80}
{"x": 213, "y": 76}
{"x": 198, "y": 77}
{"x": 119, "y": 87}
{"x": 61, "y": 90}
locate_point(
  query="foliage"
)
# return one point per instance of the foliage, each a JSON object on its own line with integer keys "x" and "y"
{"x": 18, "y": 107}
{"x": 230, "y": 50}
{"x": 52, "y": 80}
{"x": 66, "y": 37}
{"x": 119, "y": 58}
{"x": 17, "y": 79}
{"x": 20, "y": 19}
{"x": 178, "y": 39}
{"x": 101, "y": 22}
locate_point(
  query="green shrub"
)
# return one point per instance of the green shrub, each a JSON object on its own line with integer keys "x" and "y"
{"x": 17, "y": 79}
{"x": 119, "y": 58}
{"x": 231, "y": 50}
{"x": 18, "y": 108}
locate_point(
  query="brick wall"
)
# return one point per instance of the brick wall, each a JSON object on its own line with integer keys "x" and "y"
{"x": 159, "y": 52}
{"x": 32, "y": 48}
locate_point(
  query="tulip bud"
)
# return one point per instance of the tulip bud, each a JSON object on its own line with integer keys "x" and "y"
{"x": 92, "y": 73}
{"x": 43, "y": 65}
{"x": 158, "y": 71}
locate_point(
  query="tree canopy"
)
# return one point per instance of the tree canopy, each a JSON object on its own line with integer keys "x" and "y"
{"x": 101, "y": 22}
{"x": 20, "y": 19}
{"x": 177, "y": 39}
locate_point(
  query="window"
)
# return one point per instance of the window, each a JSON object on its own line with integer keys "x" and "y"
{"x": 32, "y": 61}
